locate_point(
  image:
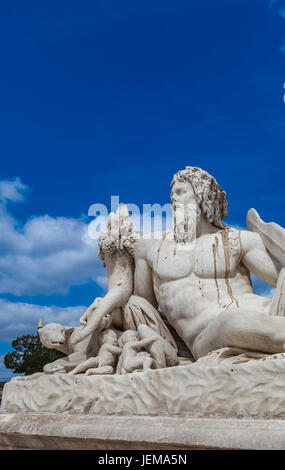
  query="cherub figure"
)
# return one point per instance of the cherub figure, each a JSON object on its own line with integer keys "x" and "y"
{"x": 105, "y": 360}
{"x": 162, "y": 352}
{"x": 132, "y": 359}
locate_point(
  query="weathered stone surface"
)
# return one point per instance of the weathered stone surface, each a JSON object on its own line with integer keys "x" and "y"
{"x": 206, "y": 387}
{"x": 72, "y": 432}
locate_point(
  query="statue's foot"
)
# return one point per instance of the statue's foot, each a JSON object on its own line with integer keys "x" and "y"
{"x": 100, "y": 371}
{"x": 48, "y": 369}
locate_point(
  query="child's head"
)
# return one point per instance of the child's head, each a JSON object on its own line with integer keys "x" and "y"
{"x": 108, "y": 336}
{"x": 127, "y": 336}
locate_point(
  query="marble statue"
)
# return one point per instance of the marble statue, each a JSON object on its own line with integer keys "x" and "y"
{"x": 200, "y": 277}
{"x": 191, "y": 286}
{"x": 163, "y": 353}
{"x": 133, "y": 358}
{"x": 57, "y": 336}
{"x": 202, "y": 281}
{"x": 104, "y": 361}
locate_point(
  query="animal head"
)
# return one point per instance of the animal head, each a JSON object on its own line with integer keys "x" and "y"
{"x": 55, "y": 336}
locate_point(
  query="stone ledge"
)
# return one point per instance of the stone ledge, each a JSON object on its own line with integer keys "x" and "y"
{"x": 47, "y": 431}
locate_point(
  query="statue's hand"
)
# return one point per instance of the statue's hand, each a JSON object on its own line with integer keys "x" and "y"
{"x": 84, "y": 319}
{"x": 82, "y": 332}
{"x": 105, "y": 322}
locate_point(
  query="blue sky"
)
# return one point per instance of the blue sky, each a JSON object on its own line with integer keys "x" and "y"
{"x": 102, "y": 98}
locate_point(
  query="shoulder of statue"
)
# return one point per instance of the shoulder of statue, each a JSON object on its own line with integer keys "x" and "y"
{"x": 249, "y": 239}
{"x": 144, "y": 244}
{"x": 140, "y": 248}
{"x": 235, "y": 239}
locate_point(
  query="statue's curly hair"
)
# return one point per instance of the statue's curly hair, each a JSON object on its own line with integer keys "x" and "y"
{"x": 210, "y": 197}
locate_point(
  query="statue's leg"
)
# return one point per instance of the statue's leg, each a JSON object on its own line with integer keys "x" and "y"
{"x": 100, "y": 371}
{"x": 278, "y": 300}
{"x": 64, "y": 364}
{"x": 147, "y": 363}
{"x": 131, "y": 365}
{"x": 242, "y": 329}
{"x": 83, "y": 366}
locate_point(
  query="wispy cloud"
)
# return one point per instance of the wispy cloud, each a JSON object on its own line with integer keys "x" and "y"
{"x": 20, "y": 318}
{"x": 278, "y": 8}
{"x": 12, "y": 190}
{"x": 45, "y": 255}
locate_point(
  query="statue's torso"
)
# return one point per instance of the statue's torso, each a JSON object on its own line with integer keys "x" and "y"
{"x": 211, "y": 255}
{"x": 194, "y": 283}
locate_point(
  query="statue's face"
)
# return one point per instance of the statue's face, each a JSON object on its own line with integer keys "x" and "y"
{"x": 130, "y": 335}
{"x": 185, "y": 215}
{"x": 108, "y": 336}
{"x": 182, "y": 192}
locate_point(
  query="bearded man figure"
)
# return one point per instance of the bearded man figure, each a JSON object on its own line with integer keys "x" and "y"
{"x": 199, "y": 273}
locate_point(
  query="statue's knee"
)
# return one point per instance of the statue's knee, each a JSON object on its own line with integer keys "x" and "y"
{"x": 228, "y": 325}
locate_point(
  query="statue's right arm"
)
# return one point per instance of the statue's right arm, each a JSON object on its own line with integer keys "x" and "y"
{"x": 143, "y": 275}
{"x": 114, "y": 349}
{"x": 256, "y": 258}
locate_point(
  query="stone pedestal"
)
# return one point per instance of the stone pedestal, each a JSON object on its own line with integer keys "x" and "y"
{"x": 204, "y": 405}
{"x": 48, "y": 431}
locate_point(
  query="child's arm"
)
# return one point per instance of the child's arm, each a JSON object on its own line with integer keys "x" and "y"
{"x": 114, "y": 349}
{"x": 145, "y": 342}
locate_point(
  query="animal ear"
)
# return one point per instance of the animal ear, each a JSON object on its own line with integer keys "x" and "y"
{"x": 69, "y": 330}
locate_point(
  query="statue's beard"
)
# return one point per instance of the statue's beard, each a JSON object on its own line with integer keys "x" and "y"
{"x": 185, "y": 219}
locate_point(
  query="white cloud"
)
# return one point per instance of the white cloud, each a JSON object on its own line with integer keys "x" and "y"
{"x": 278, "y": 6}
{"x": 20, "y": 318}
{"x": 47, "y": 255}
{"x": 12, "y": 190}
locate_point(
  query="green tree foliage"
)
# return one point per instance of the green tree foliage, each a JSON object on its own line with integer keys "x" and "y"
{"x": 30, "y": 355}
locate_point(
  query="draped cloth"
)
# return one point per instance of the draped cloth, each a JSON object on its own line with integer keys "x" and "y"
{"x": 138, "y": 311}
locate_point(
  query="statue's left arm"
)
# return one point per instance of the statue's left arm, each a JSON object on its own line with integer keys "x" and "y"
{"x": 143, "y": 281}
{"x": 116, "y": 245}
{"x": 256, "y": 258}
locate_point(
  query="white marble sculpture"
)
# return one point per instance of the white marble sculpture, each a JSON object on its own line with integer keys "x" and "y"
{"x": 106, "y": 358}
{"x": 196, "y": 277}
{"x": 201, "y": 281}
{"x": 57, "y": 336}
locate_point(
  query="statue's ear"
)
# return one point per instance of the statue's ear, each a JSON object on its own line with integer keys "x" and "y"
{"x": 69, "y": 330}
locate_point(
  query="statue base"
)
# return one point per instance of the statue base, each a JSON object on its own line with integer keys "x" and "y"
{"x": 226, "y": 400}
{"x": 64, "y": 431}
{"x": 218, "y": 384}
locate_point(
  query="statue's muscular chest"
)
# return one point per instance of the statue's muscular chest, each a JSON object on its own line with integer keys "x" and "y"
{"x": 211, "y": 256}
